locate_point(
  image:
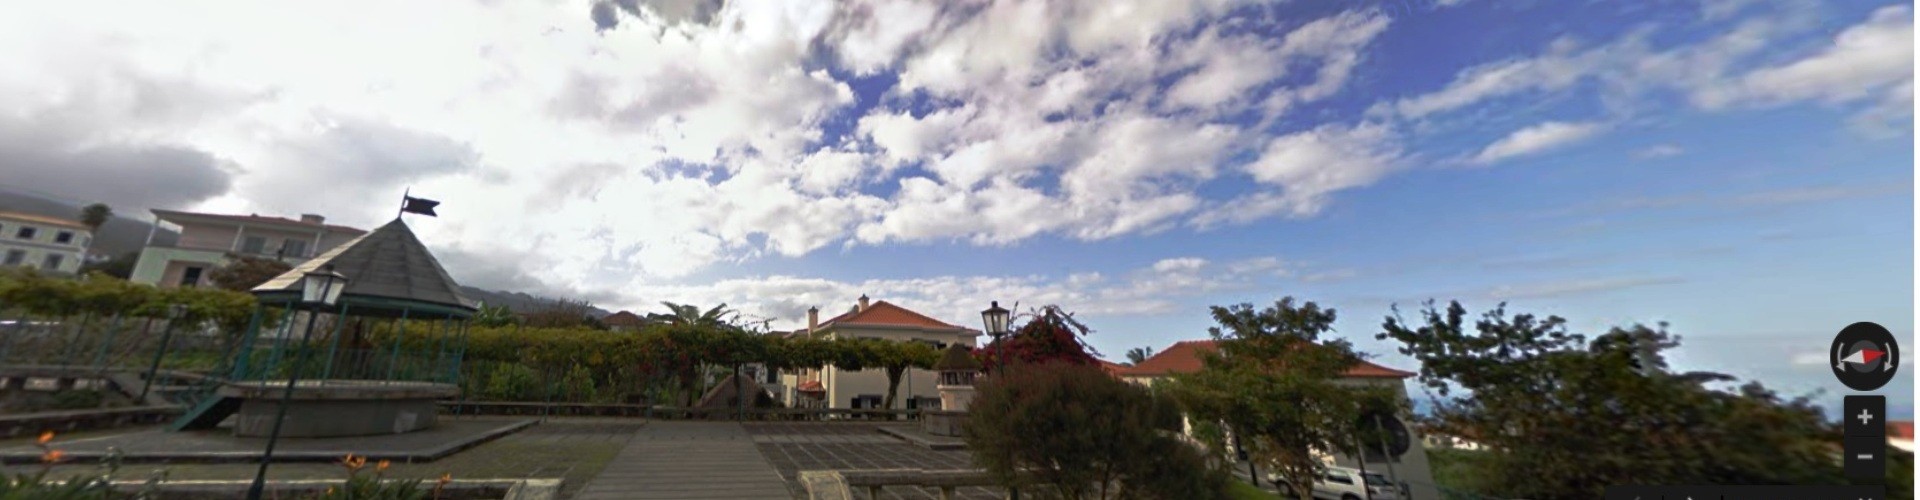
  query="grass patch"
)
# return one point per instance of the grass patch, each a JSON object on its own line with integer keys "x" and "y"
{"x": 1240, "y": 490}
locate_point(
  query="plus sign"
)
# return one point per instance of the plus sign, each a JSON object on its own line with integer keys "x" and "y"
{"x": 1865, "y": 416}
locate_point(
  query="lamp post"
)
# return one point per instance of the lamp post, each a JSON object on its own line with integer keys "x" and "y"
{"x": 319, "y": 290}
{"x": 996, "y": 319}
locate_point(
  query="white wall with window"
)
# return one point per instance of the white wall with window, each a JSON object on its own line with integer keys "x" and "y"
{"x": 40, "y": 242}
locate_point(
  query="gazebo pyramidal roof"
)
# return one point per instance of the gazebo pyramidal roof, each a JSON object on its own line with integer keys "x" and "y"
{"x": 388, "y": 271}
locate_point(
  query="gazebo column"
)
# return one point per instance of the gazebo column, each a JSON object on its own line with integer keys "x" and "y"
{"x": 280, "y": 343}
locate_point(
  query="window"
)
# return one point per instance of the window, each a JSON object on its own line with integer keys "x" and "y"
{"x": 867, "y": 402}
{"x": 191, "y": 276}
{"x": 26, "y": 233}
{"x": 294, "y": 248}
{"x": 1338, "y": 478}
{"x": 52, "y": 262}
{"x": 15, "y": 257}
{"x": 254, "y": 244}
{"x": 63, "y": 237}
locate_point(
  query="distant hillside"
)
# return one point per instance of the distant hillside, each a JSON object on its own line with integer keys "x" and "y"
{"x": 519, "y": 302}
{"x": 125, "y": 232}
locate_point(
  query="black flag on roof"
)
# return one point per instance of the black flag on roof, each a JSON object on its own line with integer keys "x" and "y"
{"x": 420, "y": 206}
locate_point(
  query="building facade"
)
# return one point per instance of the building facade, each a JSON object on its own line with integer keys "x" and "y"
{"x": 206, "y": 241}
{"x": 1410, "y": 468}
{"x": 829, "y": 387}
{"x": 46, "y": 243}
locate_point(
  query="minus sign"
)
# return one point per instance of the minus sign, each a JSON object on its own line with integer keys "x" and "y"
{"x": 1868, "y": 456}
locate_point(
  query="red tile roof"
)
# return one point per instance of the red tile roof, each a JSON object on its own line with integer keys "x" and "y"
{"x": 811, "y": 386}
{"x": 1184, "y": 357}
{"x": 257, "y": 219}
{"x": 1900, "y": 429}
{"x": 42, "y": 219}
{"x": 1112, "y": 368}
{"x": 883, "y": 313}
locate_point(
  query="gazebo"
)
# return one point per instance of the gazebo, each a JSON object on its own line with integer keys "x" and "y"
{"x": 957, "y": 369}
{"x": 331, "y": 338}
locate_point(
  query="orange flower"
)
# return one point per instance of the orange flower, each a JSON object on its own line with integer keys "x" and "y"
{"x": 381, "y": 466}
{"x": 353, "y": 463}
{"x": 53, "y": 456}
{"x": 46, "y": 437}
{"x": 446, "y": 478}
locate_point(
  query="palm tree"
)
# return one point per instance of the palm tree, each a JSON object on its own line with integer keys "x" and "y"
{"x": 95, "y": 215}
{"x": 688, "y": 314}
{"x": 1139, "y": 354}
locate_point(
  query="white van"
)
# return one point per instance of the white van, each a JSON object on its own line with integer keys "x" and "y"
{"x": 1342, "y": 483}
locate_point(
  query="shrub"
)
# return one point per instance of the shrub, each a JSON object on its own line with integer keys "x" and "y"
{"x": 1080, "y": 433}
{"x": 578, "y": 384}
{"x": 512, "y": 382}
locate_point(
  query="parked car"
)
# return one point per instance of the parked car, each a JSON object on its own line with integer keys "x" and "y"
{"x": 1342, "y": 483}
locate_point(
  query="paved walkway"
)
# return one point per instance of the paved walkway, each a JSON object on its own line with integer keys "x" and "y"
{"x": 688, "y": 460}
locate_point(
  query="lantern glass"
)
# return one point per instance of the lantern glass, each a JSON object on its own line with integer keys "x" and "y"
{"x": 996, "y": 319}
{"x": 322, "y": 287}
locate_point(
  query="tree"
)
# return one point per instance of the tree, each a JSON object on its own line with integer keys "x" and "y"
{"x": 1139, "y": 355}
{"x": 561, "y": 313}
{"x": 1273, "y": 384}
{"x": 243, "y": 272}
{"x": 1081, "y": 434}
{"x": 687, "y": 314}
{"x": 896, "y": 357}
{"x": 494, "y": 316}
{"x": 1564, "y": 416}
{"x": 1050, "y": 335}
{"x": 95, "y": 215}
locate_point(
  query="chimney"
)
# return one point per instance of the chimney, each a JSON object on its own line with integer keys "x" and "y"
{"x": 312, "y": 219}
{"x": 813, "y": 319}
{"x": 863, "y": 303}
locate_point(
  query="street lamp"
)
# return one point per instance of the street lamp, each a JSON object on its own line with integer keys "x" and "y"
{"x": 996, "y": 319}
{"x": 319, "y": 290}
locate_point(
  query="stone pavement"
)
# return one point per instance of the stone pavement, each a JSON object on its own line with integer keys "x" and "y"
{"x": 688, "y": 460}
{"x": 796, "y": 446}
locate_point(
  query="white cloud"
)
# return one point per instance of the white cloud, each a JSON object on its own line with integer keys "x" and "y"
{"x": 1536, "y": 139}
{"x": 1658, "y": 151}
{"x": 1307, "y": 167}
{"x": 1181, "y": 264}
{"x": 1865, "y": 58}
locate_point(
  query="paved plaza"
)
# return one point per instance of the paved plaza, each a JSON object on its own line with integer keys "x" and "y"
{"x": 798, "y": 446}
{"x": 622, "y": 458}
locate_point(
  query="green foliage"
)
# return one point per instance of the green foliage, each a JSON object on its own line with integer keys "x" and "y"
{"x": 563, "y": 313}
{"x": 494, "y": 316}
{"x": 578, "y": 384}
{"x": 1564, "y": 416}
{"x": 513, "y": 382}
{"x": 1274, "y": 384}
{"x": 376, "y": 486}
{"x": 27, "y": 290}
{"x": 243, "y": 272}
{"x": 1080, "y": 433}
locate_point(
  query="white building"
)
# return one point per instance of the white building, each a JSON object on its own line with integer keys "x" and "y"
{"x": 830, "y": 387}
{"x": 45, "y": 243}
{"x": 207, "y": 239}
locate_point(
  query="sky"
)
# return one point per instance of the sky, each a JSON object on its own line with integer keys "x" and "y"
{"x": 1739, "y": 169}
